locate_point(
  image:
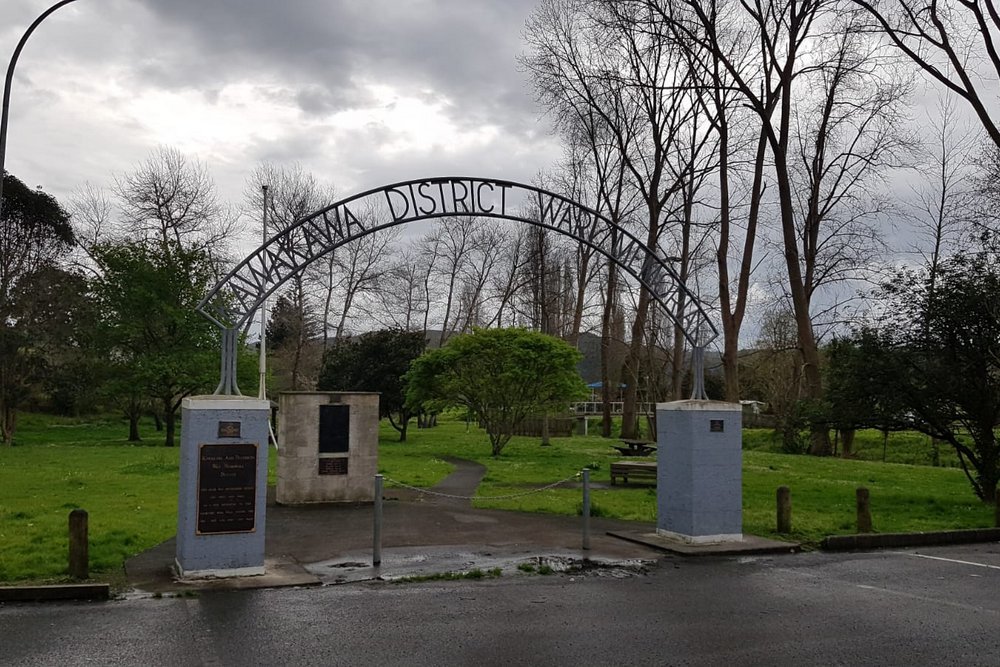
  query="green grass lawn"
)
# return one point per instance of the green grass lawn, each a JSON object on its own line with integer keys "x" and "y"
{"x": 903, "y": 497}
{"x": 130, "y": 490}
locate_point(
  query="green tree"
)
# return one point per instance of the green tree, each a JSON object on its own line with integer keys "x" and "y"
{"x": 860, "y": 394}
{"x": 34, "y": 234}
{"x": 152, "y": 333}
{"x": 375, "y": 361}
{"x": 500, "y": 375}
{"x": 936, "y": 351}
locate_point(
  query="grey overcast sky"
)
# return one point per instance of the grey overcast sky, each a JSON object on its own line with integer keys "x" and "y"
{"x": 360, "y": 92}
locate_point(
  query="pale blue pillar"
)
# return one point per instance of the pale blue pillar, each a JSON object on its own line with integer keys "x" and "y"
{"x": 223, "y": 486}
{"x": 699, "y": 493}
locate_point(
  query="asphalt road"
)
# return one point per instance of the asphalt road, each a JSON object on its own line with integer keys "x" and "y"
{"x": 937, "y": 606}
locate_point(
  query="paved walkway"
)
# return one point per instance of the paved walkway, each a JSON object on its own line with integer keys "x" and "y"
{"x": 421, "y": 534}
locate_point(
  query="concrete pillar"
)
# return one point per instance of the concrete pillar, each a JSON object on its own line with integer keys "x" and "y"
{"x": 699, "y": 494}
{"x": 223, "y": 486}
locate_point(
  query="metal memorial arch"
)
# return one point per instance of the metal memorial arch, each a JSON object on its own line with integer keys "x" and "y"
{"x": 233, "y": 301}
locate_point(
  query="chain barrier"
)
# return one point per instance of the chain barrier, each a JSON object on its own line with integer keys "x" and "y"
{"x": 506, "y": 497}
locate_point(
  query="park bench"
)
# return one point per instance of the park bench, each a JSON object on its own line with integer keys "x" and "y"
{"x": 637, "y": 469}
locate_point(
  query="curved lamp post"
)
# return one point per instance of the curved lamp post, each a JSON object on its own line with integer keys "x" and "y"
{"x": 7, "y": 83}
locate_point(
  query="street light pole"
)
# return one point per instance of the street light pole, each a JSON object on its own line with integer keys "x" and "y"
{"x": 6, "y": 88}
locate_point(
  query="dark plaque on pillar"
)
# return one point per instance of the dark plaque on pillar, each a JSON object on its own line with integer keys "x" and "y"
{"x": 333, "y": 466}
{"x": 229, "y": 429}
{"x": 334, "y": 429}
{"x": 716, "y": 425}
{"x": 227, "y": 488}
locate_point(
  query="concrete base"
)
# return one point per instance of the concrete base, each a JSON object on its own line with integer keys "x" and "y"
{"x": 220, "y": 573}
{"x": 748, "y": 545}
{"x": 700, "y": 539}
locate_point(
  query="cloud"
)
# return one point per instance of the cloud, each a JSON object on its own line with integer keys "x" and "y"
{"x": 360, "y": 93}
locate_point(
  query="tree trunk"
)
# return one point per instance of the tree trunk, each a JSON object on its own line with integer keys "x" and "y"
{"x": 847, "y": 442}
{"x": 606, "y": 316}
{"x": 9, "y": 425}
{"x": 630, "y": 413}
{"x": 545, "y": 431}
{"x": 170, "y": 420}
{"x": 133, "y": 412}
{"x": 813, "y": 386}
{"x": 404, "y": 421}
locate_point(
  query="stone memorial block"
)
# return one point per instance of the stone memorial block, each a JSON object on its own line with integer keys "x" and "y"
{"x": 328, "y": 447}
{"x": 223, "y": 486}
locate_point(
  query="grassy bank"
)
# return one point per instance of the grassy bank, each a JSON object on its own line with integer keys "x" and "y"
{"x": 130, "y": 490}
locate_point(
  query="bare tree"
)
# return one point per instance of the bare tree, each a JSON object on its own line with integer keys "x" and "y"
{"x": 507, "y": 280}
{"x": 575, "y": 177}
{"x": 400, "y": 301}
{"x": 361, "y": 265}
{"x": 450, "y": 242}
{"x": 846, "y": 143}
{"x": 292, "y": 193}
{"x": 168, "y": 197}
{"x": 785, "y": 35}
{"x": 946, "y": 197}
{"x": 484, "y": 259}
{"x": 93, "y": 216}
{"x": 952, "y": 42}
{"x": 610, "y": 59}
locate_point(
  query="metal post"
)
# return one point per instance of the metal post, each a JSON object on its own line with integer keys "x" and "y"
{"x": 6, "y": 88}
{"x": 586, "y": 509}
{"x": 377, "y": 532}
{"x": 262, "y": 361}
{"x": 698, "y": 374}
{"x": 227, "y": 384}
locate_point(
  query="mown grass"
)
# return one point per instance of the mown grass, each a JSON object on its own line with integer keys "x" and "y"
{"x": 871, "y": 445}
{"x": 130, "y": 490}
{"x": 904, "y": 497}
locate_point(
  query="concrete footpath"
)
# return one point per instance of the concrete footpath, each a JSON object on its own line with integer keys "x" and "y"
{"x": 422, "y": 534}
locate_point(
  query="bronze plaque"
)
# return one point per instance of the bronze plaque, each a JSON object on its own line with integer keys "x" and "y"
{"x": 229, "y": 429}
{"x": 330, "y": 466}
{"x": 227, "y": 489}
{"x": 716, "y": 425}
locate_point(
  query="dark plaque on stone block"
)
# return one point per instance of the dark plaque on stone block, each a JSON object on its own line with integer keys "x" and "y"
{"x": 334, "y": 429}
{"x": 331, "y": 466}
{"x": 229, "y": 429}
{"x": 227, "y": 488}
{"x": 716, "y": 425}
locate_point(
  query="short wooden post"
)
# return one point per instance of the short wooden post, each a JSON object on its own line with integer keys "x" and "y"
{"x": 864, "y": 511}
{"x": 784, "y": 509}
{"x": 79, "y": 557}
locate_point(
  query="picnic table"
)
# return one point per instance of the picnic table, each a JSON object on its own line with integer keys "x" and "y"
{"x": 636, "y": 447}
